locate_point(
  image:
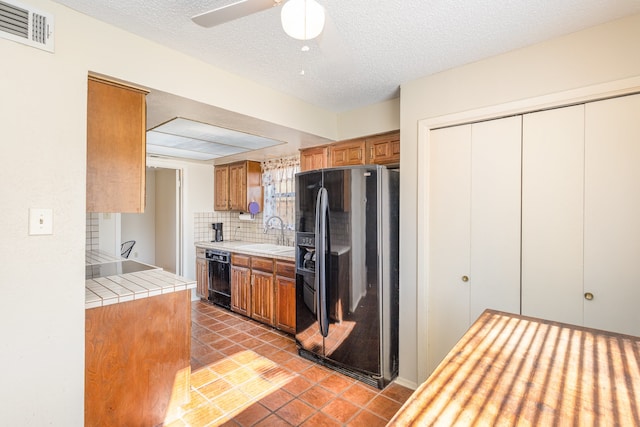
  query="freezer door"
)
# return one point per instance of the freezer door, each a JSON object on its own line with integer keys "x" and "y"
{"x": 307, "y": 186}
{"x": 308, "y": 337}
{"x": 353, "y": 287}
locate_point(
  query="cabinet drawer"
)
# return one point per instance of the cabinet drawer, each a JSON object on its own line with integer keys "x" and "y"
{"x": 241, "y": 260}
{"x": 285, "y": 269}
{"x": 263, "y": 264}
{"x": 200, "y": 253}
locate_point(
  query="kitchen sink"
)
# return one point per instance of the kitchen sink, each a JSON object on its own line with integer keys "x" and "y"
{"x": 268, "y": 248}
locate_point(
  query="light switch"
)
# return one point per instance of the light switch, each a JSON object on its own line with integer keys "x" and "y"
{"x": 40, "y": 221}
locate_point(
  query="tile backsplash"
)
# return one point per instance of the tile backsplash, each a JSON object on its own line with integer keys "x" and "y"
{"x": 92, "y": 242}
{"x": 236, "y": 229}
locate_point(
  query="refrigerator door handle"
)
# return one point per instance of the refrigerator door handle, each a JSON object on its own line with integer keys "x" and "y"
{"x": 322, "y": 236}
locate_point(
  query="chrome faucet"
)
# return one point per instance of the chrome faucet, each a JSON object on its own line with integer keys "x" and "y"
{"x": 281, "y": 228}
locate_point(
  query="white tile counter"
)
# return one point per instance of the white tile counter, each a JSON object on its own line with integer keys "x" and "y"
{"x": 285, "y": 253}
{"x": 118, "y": 288}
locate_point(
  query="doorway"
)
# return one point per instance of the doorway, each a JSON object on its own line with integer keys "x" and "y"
{"x": 158, "y": 231}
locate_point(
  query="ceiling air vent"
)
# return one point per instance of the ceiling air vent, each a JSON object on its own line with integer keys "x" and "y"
{"x": 24, "y": 24}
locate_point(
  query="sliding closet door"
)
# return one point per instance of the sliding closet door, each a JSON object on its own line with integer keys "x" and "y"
{"x": 494, "y": 276}
{"x": 474, "y": 228}
{"x": 552, "y": 214}
{"x": 449, "y": 239}
{"x": 612, "y": 215}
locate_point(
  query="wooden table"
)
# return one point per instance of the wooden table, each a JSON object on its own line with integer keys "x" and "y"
{"x": 515, "y": 370}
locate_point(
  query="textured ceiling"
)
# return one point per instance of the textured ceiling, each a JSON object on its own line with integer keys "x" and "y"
{"x": 368, "y": 48}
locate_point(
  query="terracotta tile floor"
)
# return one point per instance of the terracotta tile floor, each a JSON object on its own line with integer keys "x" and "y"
{"x": 246, "y": 374}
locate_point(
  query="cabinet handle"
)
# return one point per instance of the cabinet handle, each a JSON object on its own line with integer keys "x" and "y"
{"x": 465, "y": 278}
{"x": 588, "y": 296}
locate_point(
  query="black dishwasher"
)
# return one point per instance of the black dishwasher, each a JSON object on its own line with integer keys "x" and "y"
{"x": 219, "y": 277}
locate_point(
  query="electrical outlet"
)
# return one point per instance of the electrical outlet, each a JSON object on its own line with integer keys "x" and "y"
{"x": 40, "y": 221}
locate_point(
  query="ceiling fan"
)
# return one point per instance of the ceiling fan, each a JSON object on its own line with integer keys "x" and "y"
{"x": 301, "y": 19}
{"x": 233, "y": 11}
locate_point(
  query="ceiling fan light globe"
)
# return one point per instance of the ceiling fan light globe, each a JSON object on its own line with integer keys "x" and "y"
{"x": 302, "y": 19}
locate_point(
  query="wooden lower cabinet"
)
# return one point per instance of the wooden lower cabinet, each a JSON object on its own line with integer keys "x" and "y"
{"x": 285, "y": 297}
{"x": 202, "y": 278}
{"x": 262, "y": 296}
{"x": 265, "y": 290}
{"x": 241, "y": 290}
{"x": 137, "y": 361}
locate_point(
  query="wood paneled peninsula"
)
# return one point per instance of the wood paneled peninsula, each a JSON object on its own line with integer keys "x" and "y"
{"x": 137, "y": 342}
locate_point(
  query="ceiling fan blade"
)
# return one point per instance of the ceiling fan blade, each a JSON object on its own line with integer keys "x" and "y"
{"x": 233, "y": 11}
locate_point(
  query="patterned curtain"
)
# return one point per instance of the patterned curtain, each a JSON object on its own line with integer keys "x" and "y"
{"x": 278, "y": 179}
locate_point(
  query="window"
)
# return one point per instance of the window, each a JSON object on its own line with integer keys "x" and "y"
{"x": 278, "y": 179}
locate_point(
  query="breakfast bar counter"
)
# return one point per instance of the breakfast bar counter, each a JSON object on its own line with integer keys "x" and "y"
{"x": 137, "y": 342}
{"x": 515, "y": 370}
{"x": 111, "y": 280}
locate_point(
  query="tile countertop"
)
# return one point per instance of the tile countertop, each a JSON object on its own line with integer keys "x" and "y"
{"x": 129, "y": 286}
{"x": 286, "y": 253}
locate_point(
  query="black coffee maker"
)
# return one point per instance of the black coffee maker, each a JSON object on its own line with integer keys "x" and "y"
{"x": 217, "y": 231}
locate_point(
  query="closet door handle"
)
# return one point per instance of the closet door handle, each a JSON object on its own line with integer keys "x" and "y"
{"x": 465, "y": 278}
{"x": 588, "y": 296}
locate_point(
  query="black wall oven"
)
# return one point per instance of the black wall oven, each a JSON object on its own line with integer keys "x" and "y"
{"x": 219, "y": 277}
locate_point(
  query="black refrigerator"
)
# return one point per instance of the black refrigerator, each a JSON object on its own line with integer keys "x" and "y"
{"x": 347, "y": 270}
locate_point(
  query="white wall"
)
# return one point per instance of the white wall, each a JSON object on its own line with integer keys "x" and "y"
{"x": 141, "y": 226}
{"x": 109, "y": 225}
{"x": 370, "y": 120}
{"x": 43, "y": 136}
{"x": 597, "y": 55}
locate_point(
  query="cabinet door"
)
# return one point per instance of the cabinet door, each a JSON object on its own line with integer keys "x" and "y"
{"x": 285, "y": 297}
{"x": 237, "y": 187}
{"x": 240, "y": 290}
{"x": 474, "y": 229}
{"x": 262, "y": 297}
{"x": 612, "y": 214}
{"x": 313, "y": 158}
{"x": 384, "y": 149}
{"x": 553, "y": 214}
{"x": 221, "y": 185}
{"x": 348, "y": 153}
{"x": 202, "y": 278}
{"x": 116, "y": 148}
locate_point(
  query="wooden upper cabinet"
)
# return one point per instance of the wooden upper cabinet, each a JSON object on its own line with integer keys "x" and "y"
{"x": 383, "y": 149}
{"x": 237, "y": 185}
{"x": 221, "y": 190}
{"x": 116, "y": 147}
{"x": 348, "y": 153}
{"x": 314, "y": 158}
